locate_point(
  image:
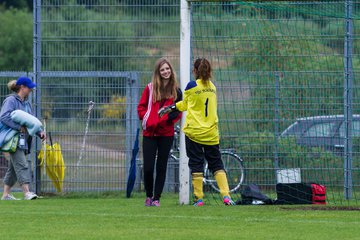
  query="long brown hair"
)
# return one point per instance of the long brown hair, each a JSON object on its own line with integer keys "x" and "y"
{"x": 159, "y": 91}
{"x": 202, "y": 70}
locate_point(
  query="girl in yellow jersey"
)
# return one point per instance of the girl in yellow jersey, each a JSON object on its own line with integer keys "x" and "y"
{"x": 201, "y": 131}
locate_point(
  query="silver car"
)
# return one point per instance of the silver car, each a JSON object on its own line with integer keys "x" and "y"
{"x": 327, "y": 132}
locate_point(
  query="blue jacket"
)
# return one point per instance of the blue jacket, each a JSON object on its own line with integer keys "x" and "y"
{"x": 7, "y": 126}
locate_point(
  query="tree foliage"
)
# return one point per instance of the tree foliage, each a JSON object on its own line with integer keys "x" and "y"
{"x": 18, "y": 4}
{"x": 16, "y": 49}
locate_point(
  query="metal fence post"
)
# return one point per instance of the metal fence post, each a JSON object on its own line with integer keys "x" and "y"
{"x": 132, "y": 98}
{"x": 348, "y": 85}
{"x": 37, "y": 79}
{"x": 276, "y": 123}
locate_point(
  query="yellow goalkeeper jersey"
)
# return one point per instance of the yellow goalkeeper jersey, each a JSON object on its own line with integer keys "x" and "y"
{"x": 201, "y": 124}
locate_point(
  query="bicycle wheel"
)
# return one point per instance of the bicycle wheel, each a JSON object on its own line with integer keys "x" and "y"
{"x": 234, "y": 168}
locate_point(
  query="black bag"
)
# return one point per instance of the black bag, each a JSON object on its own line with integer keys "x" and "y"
{"x": 251, "y": 195}
{"x": 300, "y": 193}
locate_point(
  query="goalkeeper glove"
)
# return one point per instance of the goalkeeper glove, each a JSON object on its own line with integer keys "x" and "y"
{"x": 166, "y": 109}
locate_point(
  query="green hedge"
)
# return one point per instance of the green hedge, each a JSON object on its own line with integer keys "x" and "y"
{"x": 258, "y": 150}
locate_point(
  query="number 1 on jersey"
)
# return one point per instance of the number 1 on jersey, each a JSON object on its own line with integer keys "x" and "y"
{"x": 206, "y": 107}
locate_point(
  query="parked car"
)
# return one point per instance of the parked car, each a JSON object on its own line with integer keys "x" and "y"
{"x": 327, "y": 132}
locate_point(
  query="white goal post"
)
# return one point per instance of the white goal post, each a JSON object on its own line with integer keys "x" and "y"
{"x": 185, "y": 53}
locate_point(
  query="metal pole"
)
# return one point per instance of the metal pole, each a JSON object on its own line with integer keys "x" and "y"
{"x": 129, "y": 131}
{"x": 134, "y": 92}
{"x": 37, "y": 79}
{"x": 276, "y": 123}
{"x": 132, "y": 120}
{"x": 185, "y": 51}
{"x": 348, "y": 85}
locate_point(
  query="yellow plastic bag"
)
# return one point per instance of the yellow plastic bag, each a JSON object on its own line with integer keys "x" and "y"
{"x": 53, "y": 160}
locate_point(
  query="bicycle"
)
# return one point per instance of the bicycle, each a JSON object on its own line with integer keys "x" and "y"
{"x": 233, "y": 165}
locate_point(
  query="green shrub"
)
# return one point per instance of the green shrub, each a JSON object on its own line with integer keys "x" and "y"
{"x": 258, "y": 150}
{"x": 115, "y": 109}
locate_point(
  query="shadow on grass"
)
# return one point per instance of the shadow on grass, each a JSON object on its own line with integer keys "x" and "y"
{"x": 322, "y": 208}
{"x": 106, "y": 194}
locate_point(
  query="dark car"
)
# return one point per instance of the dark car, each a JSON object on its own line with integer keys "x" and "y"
{"x": 327, "y": 132}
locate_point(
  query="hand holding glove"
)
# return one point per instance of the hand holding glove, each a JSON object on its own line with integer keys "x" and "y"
{"x": 166, "y": 109}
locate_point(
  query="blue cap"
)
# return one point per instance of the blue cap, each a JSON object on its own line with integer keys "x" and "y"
{"x": 26, "y": 82}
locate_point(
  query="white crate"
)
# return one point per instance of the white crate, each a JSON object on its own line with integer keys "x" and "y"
{"x": 289, "y": 175}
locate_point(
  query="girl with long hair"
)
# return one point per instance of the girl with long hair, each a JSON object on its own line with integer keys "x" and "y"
{"x": 158, "y": 132}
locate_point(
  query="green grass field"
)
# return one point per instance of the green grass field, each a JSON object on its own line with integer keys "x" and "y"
{"x": 115, "y": 217}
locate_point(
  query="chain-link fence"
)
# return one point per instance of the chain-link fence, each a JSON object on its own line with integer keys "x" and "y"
{"x": 100, "y": 51}
{"x": 286, "y": 64}
{"x": 275, "y": 64}
{"x": 104, "y": 52}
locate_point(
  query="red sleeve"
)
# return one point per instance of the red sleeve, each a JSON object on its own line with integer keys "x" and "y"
{"x": 143, "y": 103}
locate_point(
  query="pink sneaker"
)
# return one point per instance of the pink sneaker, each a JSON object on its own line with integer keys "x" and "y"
{"x": 148, "y": 202}
{"x": 155, "y": 203}
{"x": 199, "y": 203}
{"x": 228, "y": 201}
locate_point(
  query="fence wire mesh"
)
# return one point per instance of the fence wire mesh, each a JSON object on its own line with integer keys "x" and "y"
{"x": 100, "y": 51}
{"x": 276, "y": 64}
{"x": 280, "y": 64}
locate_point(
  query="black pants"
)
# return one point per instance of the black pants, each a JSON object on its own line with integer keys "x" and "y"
{"x": 152, "y": 146}
{"x": 197, "y": 153}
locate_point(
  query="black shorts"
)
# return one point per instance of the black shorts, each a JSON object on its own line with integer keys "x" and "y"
{"x": 197, "y": 153}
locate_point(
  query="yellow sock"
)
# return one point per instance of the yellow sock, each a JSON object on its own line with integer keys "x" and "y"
{"x": 221, "y": 180}
{"x": 197, "y": 182}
